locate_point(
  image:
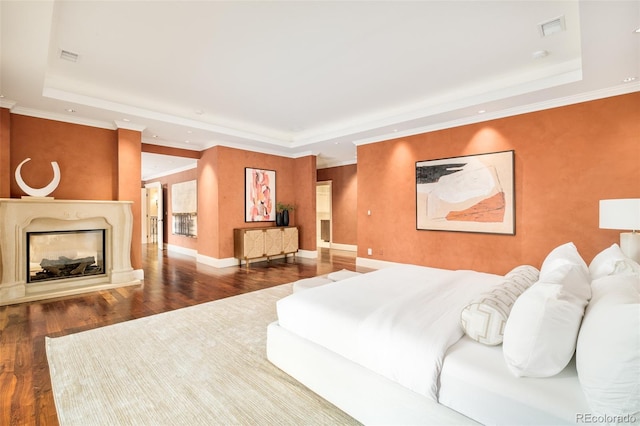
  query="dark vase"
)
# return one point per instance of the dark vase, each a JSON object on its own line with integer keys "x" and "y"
{"x": 278, "y": 218}
{"x": 285, "y": 218}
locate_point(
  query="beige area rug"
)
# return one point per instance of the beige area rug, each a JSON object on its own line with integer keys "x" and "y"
{"x": 205, "y": 364}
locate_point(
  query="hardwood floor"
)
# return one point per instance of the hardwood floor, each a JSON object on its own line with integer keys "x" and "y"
{"x": 171, "y": 281}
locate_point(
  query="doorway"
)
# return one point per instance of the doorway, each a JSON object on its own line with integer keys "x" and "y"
{"x": 323, "y": 214}
{"x": 153, "y": 216}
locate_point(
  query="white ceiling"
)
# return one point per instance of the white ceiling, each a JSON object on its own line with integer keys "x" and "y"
{"x": 298, "y": 77}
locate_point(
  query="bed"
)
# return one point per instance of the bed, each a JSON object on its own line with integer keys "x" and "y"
{"x": 412, "y": 345}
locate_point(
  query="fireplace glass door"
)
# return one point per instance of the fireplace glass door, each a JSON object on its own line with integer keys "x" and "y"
{"x": 65, "y": 254}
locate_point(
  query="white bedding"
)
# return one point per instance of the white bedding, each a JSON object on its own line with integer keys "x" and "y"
{"x": 398, "y": 322}
{"x": 476, "y": 382}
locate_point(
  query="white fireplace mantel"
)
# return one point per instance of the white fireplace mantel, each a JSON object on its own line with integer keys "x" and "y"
{"x": 19, "y": 216}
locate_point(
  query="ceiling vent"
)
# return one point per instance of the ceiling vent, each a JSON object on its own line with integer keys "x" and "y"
{"x": 68, "y": 56}
{"x": 553, "y": 26}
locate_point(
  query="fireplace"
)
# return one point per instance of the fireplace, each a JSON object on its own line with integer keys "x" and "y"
{"x": 52, "y": 248}
{"x": 54, "y": 255}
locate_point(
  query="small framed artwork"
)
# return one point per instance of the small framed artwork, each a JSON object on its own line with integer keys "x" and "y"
{"x": 259, "y": 195}
{"x": 472, "y": 193}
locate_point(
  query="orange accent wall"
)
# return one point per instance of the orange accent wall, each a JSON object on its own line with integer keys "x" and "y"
{"x": 344, "y": 202}
{"x": 221, "y": 196}
{"x": 566, "y": 160}
{"x": 220, "y": 176}
{"x": 208, "y": 208}
{"x": 304, "y": 215}
{"x": 5, "y": 153}
{"x": 87, "y": 157}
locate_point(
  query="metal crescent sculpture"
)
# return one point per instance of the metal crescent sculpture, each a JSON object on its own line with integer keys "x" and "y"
{"x": 41, "y": 192}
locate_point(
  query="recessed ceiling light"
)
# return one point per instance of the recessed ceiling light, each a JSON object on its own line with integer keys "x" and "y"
{"x": 538, "y": 54}
{"x": 126, "y": 120}
{"x": 482, "y": 111}
{"x": 553, "y": 26}
{"x": 629, "y": 79}
{"x": 187, "y": 141}
{"x": 70, "y": 110}
{"x": 155, "y": 136}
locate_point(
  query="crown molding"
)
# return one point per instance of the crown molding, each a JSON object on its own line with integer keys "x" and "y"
{"x": 261, "y": 150}
{"x": 129, "y": 126}
{"x": 565, "y": 73}
{"x": 62, "y": 117}
{"x": 6, "y": 103}
{"x": 509, "y": 112}
{"x": 63, "y": 95}
{"x": 303, "y": 154}
{"x": 330, "y": 164}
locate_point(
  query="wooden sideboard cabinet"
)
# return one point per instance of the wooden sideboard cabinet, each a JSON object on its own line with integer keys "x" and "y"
{"x": 254, "y": 243}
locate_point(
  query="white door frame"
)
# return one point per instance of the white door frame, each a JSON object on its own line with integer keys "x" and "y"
{"x": 320, "y": 242}
{"x": 144, "y": 196}
{"x": 160, "y": 229}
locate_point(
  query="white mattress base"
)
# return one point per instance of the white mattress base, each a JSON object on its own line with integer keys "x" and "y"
{"x": 476, "y": 381}
{"x": 367, "y": 396}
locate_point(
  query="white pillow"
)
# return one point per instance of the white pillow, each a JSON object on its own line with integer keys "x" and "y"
{"x": 342, "y": 275}
{"x": 485, "y": 317}
{"x": 608, "y": 350}
{"x": 612, "y": 261}
{"x": 567, "y": 254}
{"x": 541, "y": 331}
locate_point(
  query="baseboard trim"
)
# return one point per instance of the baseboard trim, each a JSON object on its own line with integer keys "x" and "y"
{"x": 375, "y": 263}
{"x": 307, "y": 254}
{"x": 182, "y": 250}
{"x": 346, "y": 247}
{"x": 138, "y": 274}
{"x": 216, "y": 263}
{"x": 232, "y": 261}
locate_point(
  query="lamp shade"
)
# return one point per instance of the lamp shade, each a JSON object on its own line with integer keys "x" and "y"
{"x": 620, "y": 214}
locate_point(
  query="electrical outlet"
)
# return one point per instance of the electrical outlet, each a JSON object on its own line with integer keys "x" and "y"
{"x": 369, "y": 251}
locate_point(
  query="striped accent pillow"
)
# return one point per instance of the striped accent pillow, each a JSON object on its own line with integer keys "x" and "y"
{"x": 484, "y": 318}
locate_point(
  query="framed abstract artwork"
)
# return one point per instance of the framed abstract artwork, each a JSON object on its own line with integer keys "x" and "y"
{"x": 259, "y": 195}
{"x": 472, "y": 193}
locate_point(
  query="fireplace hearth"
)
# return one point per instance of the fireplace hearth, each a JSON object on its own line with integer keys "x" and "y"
{"x": 52, "y": 248}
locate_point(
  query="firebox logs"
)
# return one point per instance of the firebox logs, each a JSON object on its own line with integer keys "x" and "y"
{"x": 65, "y": 267}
